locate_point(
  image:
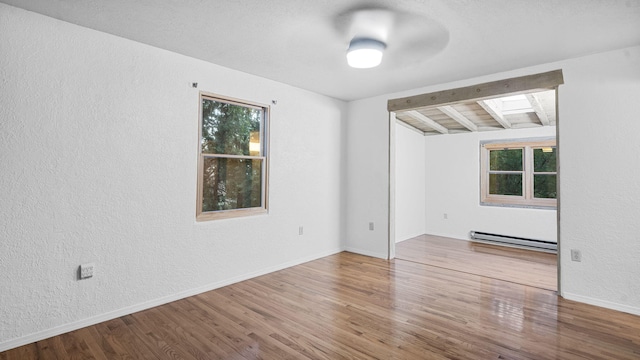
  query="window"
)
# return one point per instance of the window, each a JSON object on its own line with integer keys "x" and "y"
{"x": 232, "y": 168}
{"x": 521, "y": 173}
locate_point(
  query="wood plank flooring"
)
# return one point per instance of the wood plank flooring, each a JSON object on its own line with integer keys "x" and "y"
{"x": 525, "y": 267}
{"x": 349, "y": 306}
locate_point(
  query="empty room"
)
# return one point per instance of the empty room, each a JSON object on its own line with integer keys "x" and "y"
{"x": 236, "y": 179}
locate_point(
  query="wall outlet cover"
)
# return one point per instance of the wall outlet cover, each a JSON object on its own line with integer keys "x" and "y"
{"x": 576, "y": 255}
{"x": 86, "y": 271}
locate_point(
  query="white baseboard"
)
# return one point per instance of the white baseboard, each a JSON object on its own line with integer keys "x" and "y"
{"x": 366, "y": 252}
{"x": 602, "y": 303}
{"x": 45, "y": 334}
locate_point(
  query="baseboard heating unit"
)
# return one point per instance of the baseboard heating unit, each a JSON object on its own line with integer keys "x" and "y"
{"x": 512, "y": 241}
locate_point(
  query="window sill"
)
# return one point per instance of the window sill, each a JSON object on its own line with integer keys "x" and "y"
{"x": 520, "y": 205}
{"x": 230, "y": 214}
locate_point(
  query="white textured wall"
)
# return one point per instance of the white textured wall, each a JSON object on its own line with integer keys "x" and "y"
{"x": 410, "y": 181}
{"x": 599, "y": 189}
{"x": 98, "y": 154}
{"x": 453, "y": 187}
{"x": 600, "y": 182}
{"x": 367, "y": 181}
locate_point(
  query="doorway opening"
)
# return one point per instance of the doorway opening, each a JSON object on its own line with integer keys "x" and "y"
{"x": 446, "y": 176}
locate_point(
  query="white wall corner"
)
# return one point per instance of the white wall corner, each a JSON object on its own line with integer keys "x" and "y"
{"x": 365, "y": 252}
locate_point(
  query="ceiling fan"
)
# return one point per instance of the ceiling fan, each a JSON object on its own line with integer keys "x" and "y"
{"x": 407, "y": 37}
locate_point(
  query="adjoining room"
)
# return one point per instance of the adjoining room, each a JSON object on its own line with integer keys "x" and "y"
{"x": 489, "y": 175}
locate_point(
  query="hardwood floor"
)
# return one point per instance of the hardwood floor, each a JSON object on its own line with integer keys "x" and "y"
{"x": 525, "y": 267}
{"x": 349, "y": 306}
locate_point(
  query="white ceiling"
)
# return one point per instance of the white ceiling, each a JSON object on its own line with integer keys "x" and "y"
{"x": 303, "y": 42}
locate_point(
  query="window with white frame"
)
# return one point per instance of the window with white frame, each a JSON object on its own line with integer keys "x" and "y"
{"x": 519, "y": 173}
{"x": 232, "y": 168}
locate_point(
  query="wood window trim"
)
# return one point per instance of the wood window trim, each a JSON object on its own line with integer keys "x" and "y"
{"x": 526, "y": 200}
{"x": 234, "y": 213}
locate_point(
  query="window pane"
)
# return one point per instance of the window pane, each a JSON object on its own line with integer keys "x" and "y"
{"x": 230, "y": 129}
{"x": 544, "y": 160}
{"x": 505, "y": 160}
{"x": 505, "y": 184}
{"x": 544, "y": 186}
{"x": 231, "y": 184}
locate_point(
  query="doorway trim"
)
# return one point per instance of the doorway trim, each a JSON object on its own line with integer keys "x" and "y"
{"x": 550, "y": 80}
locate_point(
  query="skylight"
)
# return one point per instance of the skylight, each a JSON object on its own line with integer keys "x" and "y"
{"x": 515, "y": 104}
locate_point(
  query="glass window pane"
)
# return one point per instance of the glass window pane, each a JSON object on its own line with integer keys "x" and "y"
{"x": 544, "y": 186}
{"x": 505, "y": 184}
{"x": 231, "y": 184}
{"x": 230, "y": 129}
{"x": 544, "y": 159}
{"x": 505, "y": 160}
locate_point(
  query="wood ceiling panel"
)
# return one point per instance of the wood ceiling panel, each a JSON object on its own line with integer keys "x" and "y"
{"x": 467, "y": 108}
{"x": 412, "y": 122}
{"x": 434, "y": 114}
{"x": 484, "y": 113}
{"x": 524, "y": 119}
{"x": 488, "y": 122}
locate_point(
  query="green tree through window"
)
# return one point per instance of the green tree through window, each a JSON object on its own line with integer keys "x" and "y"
{"x": 519, "y": 173}
{"x": 233, "y": 155}
{"x": 505, "y": 176}
{"x": 544, "y": 173}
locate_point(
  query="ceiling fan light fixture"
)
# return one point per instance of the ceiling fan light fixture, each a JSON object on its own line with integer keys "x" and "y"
{"x": 364, "y": 53}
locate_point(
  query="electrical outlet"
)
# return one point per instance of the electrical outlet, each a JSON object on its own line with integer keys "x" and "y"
{"x": 371, "y": 226}
{"x": 576, "y": 255}
{"x": 300, "y": 230}
{"x": 86, "y": 271}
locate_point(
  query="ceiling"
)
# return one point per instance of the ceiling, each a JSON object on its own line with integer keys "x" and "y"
{"x": 303, "y": 42}
{"x": 528, "y": 110}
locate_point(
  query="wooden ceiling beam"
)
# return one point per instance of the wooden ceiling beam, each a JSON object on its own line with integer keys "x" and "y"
{"x": 493, "y": 108}
{"x": 427, "y": 121}
{"x": 458, "y": 117}
{"x": 537, "y": 107}
{"x": 520, "y": 85}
